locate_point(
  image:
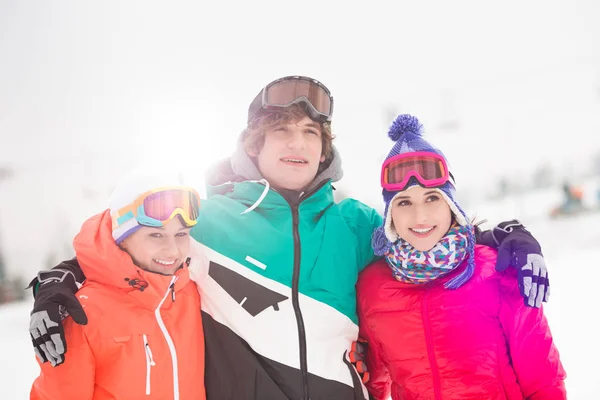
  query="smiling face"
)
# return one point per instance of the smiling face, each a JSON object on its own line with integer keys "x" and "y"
{"x": 421, "y": 217}
{"x": 160, "y": 250}
{"x": 291, "y": 154}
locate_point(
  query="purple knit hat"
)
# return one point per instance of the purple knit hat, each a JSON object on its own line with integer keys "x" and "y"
{"x": 406, "y": 131}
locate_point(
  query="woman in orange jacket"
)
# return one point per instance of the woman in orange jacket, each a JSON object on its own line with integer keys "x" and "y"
{"x": 143, "y": 339}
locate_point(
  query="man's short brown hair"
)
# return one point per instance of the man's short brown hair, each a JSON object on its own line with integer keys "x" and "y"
{"x": 254, "y": 134}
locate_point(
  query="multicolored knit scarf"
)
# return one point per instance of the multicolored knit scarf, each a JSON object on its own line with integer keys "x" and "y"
{"x": 415, "y": 266}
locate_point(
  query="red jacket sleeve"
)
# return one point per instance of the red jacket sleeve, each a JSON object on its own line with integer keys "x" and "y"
{"x": 534, "y": 356}
{"x": 379, "y": 384}
{"x": 73, "y": 379}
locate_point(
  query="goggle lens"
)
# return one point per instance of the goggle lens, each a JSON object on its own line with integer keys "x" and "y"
{"x": 428, "y": 168}
{"x": 285, "y": 92}
{"x": 160, "y": 205}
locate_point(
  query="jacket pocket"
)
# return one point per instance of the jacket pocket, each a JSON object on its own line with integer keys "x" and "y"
{"x": 122, "y": 339}
{"x": 149, "y": 363}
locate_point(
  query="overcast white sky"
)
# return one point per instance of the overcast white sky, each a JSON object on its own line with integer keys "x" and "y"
{"x": 89, "y": 89}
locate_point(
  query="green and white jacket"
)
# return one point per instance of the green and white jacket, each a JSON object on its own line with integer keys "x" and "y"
{"x": 277, "y": 283}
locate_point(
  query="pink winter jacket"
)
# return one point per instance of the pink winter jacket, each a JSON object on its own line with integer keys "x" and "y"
{"x": 477, "y": 342}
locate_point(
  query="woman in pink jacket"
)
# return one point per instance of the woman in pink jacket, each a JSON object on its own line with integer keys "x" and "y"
{"x": 439, "y": 321}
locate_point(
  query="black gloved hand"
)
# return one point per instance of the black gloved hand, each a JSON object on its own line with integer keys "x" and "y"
{"x": 55, "y": 299}
{"x": 518, "y": 248}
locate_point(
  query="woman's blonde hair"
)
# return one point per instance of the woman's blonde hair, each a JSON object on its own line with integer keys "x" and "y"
{"x": 254, "y": 134}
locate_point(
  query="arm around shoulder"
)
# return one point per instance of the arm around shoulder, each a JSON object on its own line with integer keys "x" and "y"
{"x": 363, "y": 220}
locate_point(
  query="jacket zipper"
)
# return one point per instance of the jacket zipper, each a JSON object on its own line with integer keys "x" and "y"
{"x": 165, "y": 332}
{"x": 430, "y": 351}
{"x": 295, "y": 295}
{"x": 149, "y": 363}
{"x": 296, "y": 305}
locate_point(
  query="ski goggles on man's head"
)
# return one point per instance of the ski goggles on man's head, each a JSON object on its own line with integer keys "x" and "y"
{"x": 430, "y": 169}
{"x": 158, "y": 207}
{"x": 290, "y": 90}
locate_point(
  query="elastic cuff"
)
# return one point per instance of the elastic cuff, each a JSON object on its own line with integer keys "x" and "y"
{"x": 34, "y": 288}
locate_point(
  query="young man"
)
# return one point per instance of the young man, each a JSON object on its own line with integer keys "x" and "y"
{"x": 280, "y": 259}
{"x": 144, "y": 335}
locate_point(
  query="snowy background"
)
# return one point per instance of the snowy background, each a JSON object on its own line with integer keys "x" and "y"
{"x": 510, "y": 91}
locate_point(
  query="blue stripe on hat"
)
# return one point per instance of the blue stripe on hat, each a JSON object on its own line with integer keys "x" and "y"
{"x": 125, "y": 217}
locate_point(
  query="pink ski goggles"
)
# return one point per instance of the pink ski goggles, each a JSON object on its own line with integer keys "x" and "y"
{"x": 430, "y": 169}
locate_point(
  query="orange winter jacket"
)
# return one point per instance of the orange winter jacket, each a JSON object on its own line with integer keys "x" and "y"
{"x": 144, "y": 335}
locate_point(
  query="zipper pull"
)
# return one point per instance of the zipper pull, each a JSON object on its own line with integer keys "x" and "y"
{"x": 172, "y": 287}
{"x": 152, "y": 363}
{"x": 148, "y": 351}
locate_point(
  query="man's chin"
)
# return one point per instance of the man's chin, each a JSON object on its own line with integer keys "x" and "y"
{"x": 298, "y": 185}
{"x": 294, "y": 188}
{"x": 285, "y": 184}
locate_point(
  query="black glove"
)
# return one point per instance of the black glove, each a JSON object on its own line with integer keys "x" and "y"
{"x": 55, "y": 299}
{"x": 518, "y": 248}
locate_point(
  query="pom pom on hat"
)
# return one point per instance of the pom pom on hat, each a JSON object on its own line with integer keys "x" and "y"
{"x": 404, "y": 124}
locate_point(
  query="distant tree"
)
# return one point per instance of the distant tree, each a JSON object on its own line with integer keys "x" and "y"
{"x": 50, "y": 260}
{"x": 11, "y": 289}
{"x": 543, "y": 177}
{"x": 2, "y": 265}
{"x": 503, "y": 187}
{"x": 5, "y": 174}
{"x": 56, "y": 255}
{"x": 596, "y": 163}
